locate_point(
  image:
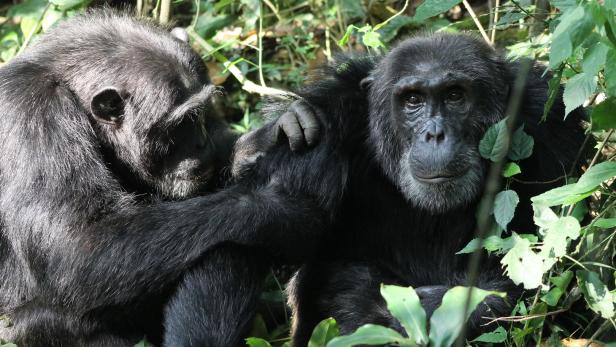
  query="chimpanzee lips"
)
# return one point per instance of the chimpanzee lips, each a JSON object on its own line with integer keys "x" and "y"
{"x": 435, "y": 178}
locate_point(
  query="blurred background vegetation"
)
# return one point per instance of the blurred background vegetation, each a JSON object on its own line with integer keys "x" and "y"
{"x": 257, "y": 48}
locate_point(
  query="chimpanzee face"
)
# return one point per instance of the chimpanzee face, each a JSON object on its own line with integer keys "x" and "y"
{"x": 437, "y": 100}
{"x": 155, "y": 116}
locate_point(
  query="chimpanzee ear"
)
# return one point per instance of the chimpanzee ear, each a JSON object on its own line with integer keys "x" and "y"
{"x": 180, "y": 34}
{"x": 107, "y": 106}
{"x": 366, "y": 82}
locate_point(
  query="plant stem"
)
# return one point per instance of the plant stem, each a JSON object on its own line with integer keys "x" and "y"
{"x": 476, "y": 20}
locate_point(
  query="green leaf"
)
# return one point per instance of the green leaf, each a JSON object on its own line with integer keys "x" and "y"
{"x": 369, "y": 334}
{"x": 579, "y": 88}
{"x": 68, "y": 4}
{"x": 492, "y": 145}
{"x": 553, "y": 92}
{"x": 447, "y": 320}
{"x": 257, "y": 342}
{"x": 343, "y": 41}
{"x": 610, "y": 73}
{"x": 562, "y": 281}
{"x": 605, "y": 223}
{"x": 603, "y": 116}
{"x": 52, "y": 16}
{"x": 573, "y": 28}
{"x": 556, "y": 237}
{"x": 522, "y": 264}
{"x": 572, "y": 193}
{"x": 430, "y": 8}
{"x": 595, "y": 292}
{"x": 552, "y": 296}
{"x": 594, "y": 58}
{"x": 404, "y": 304}
{"x": 497, "y": 336}
{"x": 511, "y": 169}
{"x": 372, "y": 39}
{"x": 324, "y": 332}
{"x": 505, "y": 203}
{"x": 521, "y": 145}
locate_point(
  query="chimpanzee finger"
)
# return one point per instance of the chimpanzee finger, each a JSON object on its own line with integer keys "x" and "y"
{"x": 308, "y": 120}
{"x": 289, "y": 125}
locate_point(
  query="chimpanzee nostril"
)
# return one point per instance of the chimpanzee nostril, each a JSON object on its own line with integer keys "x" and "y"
{"x": 435, "y": 133}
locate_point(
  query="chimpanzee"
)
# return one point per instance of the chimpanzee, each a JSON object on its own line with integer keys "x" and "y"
{"x": 404, "y": 129}
{"x": 107, "y": 145}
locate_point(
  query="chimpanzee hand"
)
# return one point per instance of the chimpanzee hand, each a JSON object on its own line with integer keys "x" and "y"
{"x": 430, "y": 297}
{"x": 299, "y": 126}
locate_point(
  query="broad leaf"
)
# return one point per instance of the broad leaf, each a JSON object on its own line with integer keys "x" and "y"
{"x": 521, "y": 145}
{"x": 404, "y": 305}
{"x": 557, "y": 235}
{"x": 492, "y": 145}
{"x": 511, "y": 169}
{"x": 605, "y": 223}
{"x": 579, "y": 88}
{"x": 573, "y": 28}
{"x": 522, "y": 264}
{"x": 497, "y": 336}
{"x": 594, "y": 58}
{"x": 505, "y": 203}
{"x": 324, "y": 332}
{"x": 610, "y": 73}
{"x": 447, "y": 320}
{"x": 369, "y": 334}
{"x": 431, "y": 8}
{"x": 257, "y": 342}
{"x": 595, "y": 292}
{"x": 603, "y": 116}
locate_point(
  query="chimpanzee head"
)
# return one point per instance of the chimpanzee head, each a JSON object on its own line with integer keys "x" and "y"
{"x": 431, "y": 99}
{"x": 147, "y": 94}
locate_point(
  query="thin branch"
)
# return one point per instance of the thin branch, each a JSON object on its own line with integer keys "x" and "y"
{"x": 496, "y": 9}
{"x": 476, "y": 20}
{"x": 35, "y": 29}
{"x": 524, "y": 318}
{"x": 165, "y": 12}
{"x": 247, "y": 84}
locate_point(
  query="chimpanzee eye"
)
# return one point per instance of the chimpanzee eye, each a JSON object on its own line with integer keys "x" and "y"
{"x": 455, "y": 95}
{"x": 414, "y": 99}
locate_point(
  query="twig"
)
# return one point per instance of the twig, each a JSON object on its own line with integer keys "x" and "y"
{"x": 260, "y": 48}
{"x": 597, "y": 333}
{"x": 594, "y": 159}
{"x": 273, "y": 8}
{"x": 476, "y": 20}
{"x": 496, "y": 9}
{"x": 34, "y": 30}
{"x": 493, "y": 184}
{"x": 524, "y": 318}
{"x": 247, "y": 84}
{"x": 165, "y": 11}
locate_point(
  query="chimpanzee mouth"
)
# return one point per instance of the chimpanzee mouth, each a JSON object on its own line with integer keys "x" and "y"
{"x": 438, "y": 177}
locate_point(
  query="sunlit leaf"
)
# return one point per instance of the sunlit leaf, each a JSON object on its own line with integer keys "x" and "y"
{"x": 257, "y": 342}
{"x": 404, "y": 305}
{"x": 447, "y": 320}
{"x": 370, "y": 334}
{"x": 511, "y": 169}
{"x": 595, "y": 292}
{"x": 573, "y": 28}
{"x": 579, "y": 88}
{"x": 324, "y": 332}
{"x": 522, "y": 264}
{"x": 497, "y": 336}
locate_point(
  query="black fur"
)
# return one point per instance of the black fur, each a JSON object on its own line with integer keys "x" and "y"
{"x": 385, "y": 230}
{"x": 106, "y": 141}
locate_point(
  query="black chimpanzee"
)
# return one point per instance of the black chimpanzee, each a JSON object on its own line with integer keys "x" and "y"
{"x": 411, "y": 175}
{"x": 106, "y": 143}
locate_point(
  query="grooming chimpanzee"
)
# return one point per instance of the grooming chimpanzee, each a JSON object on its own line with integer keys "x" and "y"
{"x": 411, "y": 175}
{"x": 106, "y": 143}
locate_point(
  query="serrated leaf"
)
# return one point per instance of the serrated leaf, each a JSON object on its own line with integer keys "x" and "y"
{"x": 522, "y": 264}
{"x": 557, "y": 236}
{"x": 447, "y": 320}
{"x": 497, "y": 336}
{"x": 430, "y": 8}
{"x": 603, "y": 116}
{"x": 404, "y": 305}
{"x": 505, "y": 203}
{"x": 594, "y": 58}
{"x": 596, "y": 294}
{"x": 324, "y": 332}
{"x": 610, "y": 73}
{"x": 521, "y": 145}
{"x": 492, "y": 145}
{"x": 579, "y": 88}
{"x": 369, "y": 334}
{"x": 573, "y": 28}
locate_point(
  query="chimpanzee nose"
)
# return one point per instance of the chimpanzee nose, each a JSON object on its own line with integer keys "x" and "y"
{"x": 434, "y": 134}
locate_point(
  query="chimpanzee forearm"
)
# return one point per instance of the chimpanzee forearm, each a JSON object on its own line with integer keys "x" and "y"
{"x": 145, "y": 249}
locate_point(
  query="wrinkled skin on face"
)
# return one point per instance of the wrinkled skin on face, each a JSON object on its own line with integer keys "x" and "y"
{"x": 436, "y": 104}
